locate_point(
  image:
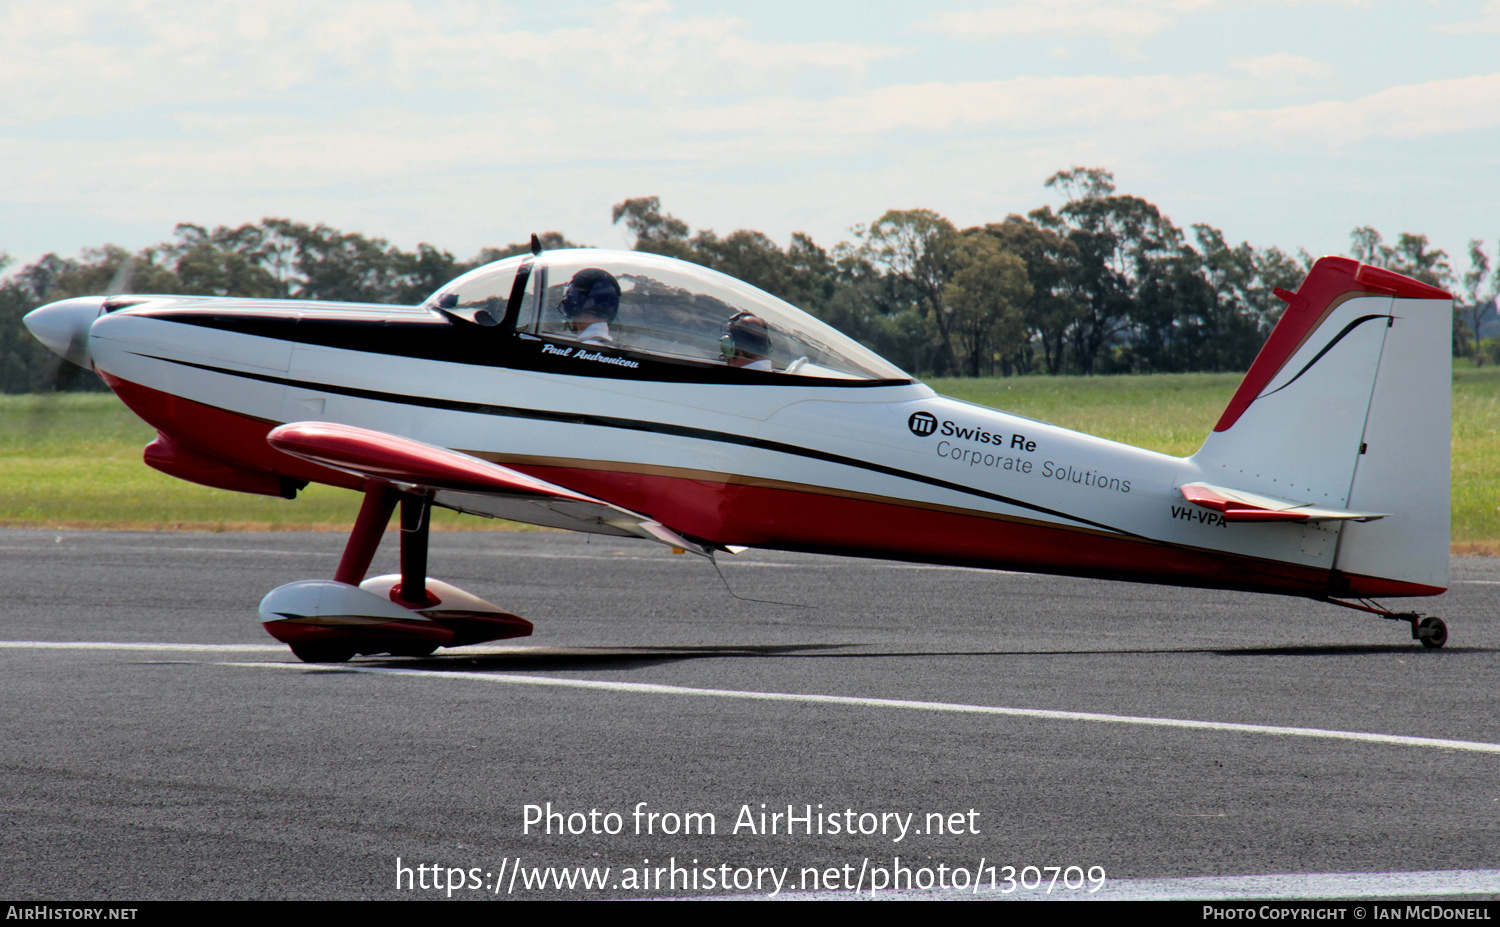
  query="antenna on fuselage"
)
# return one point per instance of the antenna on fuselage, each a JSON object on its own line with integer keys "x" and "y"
{"x": 536, "y": 244}
{"x": 744, "y": 598}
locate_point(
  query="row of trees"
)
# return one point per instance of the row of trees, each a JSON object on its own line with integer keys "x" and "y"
{"x": 1104, "y": 284}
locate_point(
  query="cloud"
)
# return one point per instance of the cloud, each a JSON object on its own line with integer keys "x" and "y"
{"x": 60, "y": 60}
{"x": 1282, "y": 74}
{"x": 1118, "y": 19}
{"x": 393, "y": 143}
{"x": 1115, "y": 18}
{"x": 1488, "y": 21}
{"x": 271, "y": 158}
{"x": 1283, "y": 64}
{"x": 457, "y": 112}
{"x": 1407, "y": 112}
{"x": 1021, "y": 105}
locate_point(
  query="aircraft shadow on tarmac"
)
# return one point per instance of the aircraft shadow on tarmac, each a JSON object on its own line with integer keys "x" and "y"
{"x": 590, "y": 658}
{"x": 593, "y": 658}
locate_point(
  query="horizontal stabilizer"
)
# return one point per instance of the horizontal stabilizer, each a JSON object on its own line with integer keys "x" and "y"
{"x": 454, "y": 475}
{"x": 1237, "y": 505}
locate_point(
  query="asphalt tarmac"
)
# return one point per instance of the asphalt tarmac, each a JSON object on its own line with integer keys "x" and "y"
{"x": 957, "y": 721}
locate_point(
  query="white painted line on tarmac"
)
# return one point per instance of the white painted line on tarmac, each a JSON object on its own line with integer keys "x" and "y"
{"x": 646, "y": 688}
{"x": 1307, "y": 886}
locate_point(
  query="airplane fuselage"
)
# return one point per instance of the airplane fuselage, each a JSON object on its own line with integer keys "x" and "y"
{"x": 875, "y": 468}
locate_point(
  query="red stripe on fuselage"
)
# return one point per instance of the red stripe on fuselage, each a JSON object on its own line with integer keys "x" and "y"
{"x": 815, "y": 520}
{"x": 229, "y": 436}
{"x": 818, "y": 522}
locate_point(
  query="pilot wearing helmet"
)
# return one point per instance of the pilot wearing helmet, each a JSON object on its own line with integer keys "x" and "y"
{"x": 591, "y": 302}
{"x": 746, "y": 342}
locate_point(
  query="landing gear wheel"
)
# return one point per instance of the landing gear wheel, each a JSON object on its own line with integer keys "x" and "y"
{"x": 315, "y": 654}
{"x": 1432, "y": 632}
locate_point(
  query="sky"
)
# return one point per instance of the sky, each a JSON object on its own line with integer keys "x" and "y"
{"x": 469, "y": 124}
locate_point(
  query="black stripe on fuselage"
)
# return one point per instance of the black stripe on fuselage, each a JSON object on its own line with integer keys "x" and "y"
{"x": 627, "y": 424}
{"x": 439, "y": 338}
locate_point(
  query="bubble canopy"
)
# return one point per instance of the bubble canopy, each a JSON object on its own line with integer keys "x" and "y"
{"x": 667, "y": 309}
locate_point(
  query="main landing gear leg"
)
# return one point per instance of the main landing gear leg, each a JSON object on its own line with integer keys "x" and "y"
{"x": 416, "y": 517}
{"x": 364, "y": 540}
{"x": 1430, "y": 630}
{"x": 406, "y": 615}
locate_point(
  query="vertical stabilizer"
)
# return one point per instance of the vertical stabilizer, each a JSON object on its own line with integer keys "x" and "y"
{"x": 1348, "y": 406}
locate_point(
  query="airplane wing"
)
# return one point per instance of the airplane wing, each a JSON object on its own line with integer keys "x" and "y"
{"x": 466, "y": 483}
{"x": 1237, "y": 505}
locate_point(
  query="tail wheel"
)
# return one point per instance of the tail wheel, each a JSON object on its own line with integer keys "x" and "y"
{"x": 1432, "y": 632}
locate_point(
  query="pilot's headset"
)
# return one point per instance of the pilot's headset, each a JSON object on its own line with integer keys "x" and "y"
{"x": 593, "y": 291}
{"x": 747, "y": 332}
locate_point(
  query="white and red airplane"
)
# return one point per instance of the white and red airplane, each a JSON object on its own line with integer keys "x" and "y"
{"x": 628, "y": 394}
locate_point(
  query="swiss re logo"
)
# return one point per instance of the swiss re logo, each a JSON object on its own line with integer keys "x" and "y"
{"x": 922, "y": 424}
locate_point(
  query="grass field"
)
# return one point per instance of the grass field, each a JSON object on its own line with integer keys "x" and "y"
{"x": 75, "y": 460}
